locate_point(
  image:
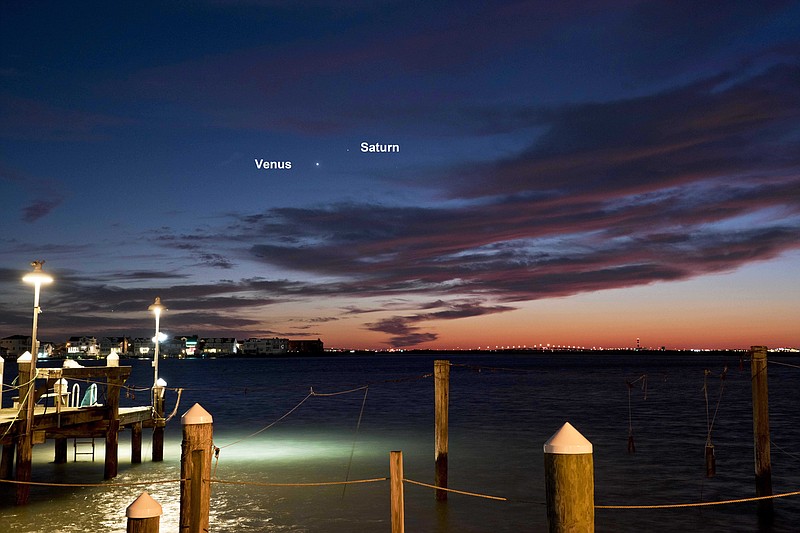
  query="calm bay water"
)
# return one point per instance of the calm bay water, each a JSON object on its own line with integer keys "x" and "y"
{"x": 502, "y": 410}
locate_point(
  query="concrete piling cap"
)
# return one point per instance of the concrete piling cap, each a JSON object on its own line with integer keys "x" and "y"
{"x": 567, "y": 441}
{"x": 144, "y": 507}
{"x": 25, "y": 358}
{"x": 196, "y": 415}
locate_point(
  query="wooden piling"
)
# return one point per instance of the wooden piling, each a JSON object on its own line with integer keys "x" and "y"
{"x": 441, "y": 379}
{"x": 2, "y": 379}
{"x": 396, "y": 491}
{"x": 136, "y": 443}
{"x": 763, "y": 468}
{"x": 144, "y": 515}
{"x": 7, "y": 461}
{"x": 569, "y": 481}
{"x": 27, "y": 392}
{"x": 112, "y": 431}
{"x": 60, "y": 455}
{"x": 196, "y": 469}
{"x": 158, "y": 428}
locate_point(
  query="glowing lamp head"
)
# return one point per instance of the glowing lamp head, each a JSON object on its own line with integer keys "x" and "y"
{"x": 38, "y": 276}
{"x": 157, "y": 307}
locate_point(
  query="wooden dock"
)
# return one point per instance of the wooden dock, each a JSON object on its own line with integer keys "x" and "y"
{"x": 62, "y": 422}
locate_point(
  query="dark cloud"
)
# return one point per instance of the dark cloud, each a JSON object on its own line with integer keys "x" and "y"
{"x": 613, "y": 195}
{"x": 664, "y": 140}
{"x": 404, "y": 330}
{"x": 39, "y": 209}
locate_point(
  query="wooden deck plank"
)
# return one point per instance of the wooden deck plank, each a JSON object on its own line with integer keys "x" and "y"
{"x": 72, "y": 420}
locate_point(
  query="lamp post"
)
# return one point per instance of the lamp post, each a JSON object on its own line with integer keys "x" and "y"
{"x": 158, "y": 390}
{"x": 37, "y": 278}
{"x": 27, "y": 377}
{"x": 156, "y": 307}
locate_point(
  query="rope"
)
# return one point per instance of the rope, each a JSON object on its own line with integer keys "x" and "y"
{"x": 355, "y": 438}
{"x": 310, "y": 484}
{"x": 790, "y": 454}
{"x": 630, "y": 384}
{"x": 104, "y": 485}
{"x": 292, "y": 410}
{"x": 783, "y": 364}
{"x": 177, "y": 403}
{"x": 476, "y": 494}
{"x": 710, "y": 424}
{"x": 480, "y": 368}
{"x": 22, "y": 404}
{"x": 338, "y": 393}
{"x": 701, "y": 504}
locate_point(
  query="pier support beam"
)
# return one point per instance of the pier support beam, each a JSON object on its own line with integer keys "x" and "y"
{"x": 112, "y": 433}
{"x": 7, "y": 461}
{"x": 27, "y": 392}
{"x": 136, "y": 443}
{"x": 196, "y": 456}
{"x": 569, "y": 482}
{"x": 60, "y": 456}
{"x": 441, "y": 379}
{"x": 158, "y": 429}
{"x": 763, "y": 467}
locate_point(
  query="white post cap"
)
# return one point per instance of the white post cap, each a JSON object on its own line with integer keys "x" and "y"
{"x": 24, "y": 358}
{"x": 112, "y": 360}
{"x": 196, "y": 415}
{"x": 567, "y": 441}
{"x": 144, "y": 507}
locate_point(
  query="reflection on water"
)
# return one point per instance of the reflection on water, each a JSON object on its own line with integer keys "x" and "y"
{"x": 498, "y": 423}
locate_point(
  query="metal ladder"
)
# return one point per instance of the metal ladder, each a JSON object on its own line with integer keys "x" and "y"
{"x": 76, "y": 453}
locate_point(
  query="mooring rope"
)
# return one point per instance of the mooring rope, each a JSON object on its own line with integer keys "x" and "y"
{"x": 710, "y": 422}
{"x": 177, "y": 403}
{"x": 314, "y": 393}
{"x": 355, "y": 438}
{"x": 290, "y": 411}
{"x": 700, "y": 504}
{"x": 103, "y": 485}
{"x": 782, "y": 363}
{"x": 790, "y": 454}
{"x": 308, "y": 484}
{"x": 22, "y": 404}
{"x": 465, "y": 493}
{"x": 630, "y": 384}
{"x": 481, "y": 368}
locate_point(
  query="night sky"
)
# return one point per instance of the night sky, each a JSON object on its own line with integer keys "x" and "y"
{"x": 578, "y": 173}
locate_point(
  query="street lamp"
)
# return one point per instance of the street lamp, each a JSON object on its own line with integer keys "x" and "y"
{"x": 37, "y": 278}
{"x": 156, "y": 307}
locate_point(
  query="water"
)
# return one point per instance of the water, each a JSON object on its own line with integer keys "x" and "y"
{"x": 499, "y": 420}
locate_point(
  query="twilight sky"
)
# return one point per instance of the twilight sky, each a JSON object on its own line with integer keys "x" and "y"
{"x": 581, "y": 173}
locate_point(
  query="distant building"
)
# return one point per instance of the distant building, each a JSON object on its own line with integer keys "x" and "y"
{"x": 274, "y": 346}
{"x": 173, "y": 347}
{"x": 16, "y": 345}
{"x": 189, "y": 345}
{"x": 219, "y": 346}
{"x": 306, "y": 346}
{"x": 142, "y": 347}
{"x": 118, "y": 345}
{"x": 83, "y": 347}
